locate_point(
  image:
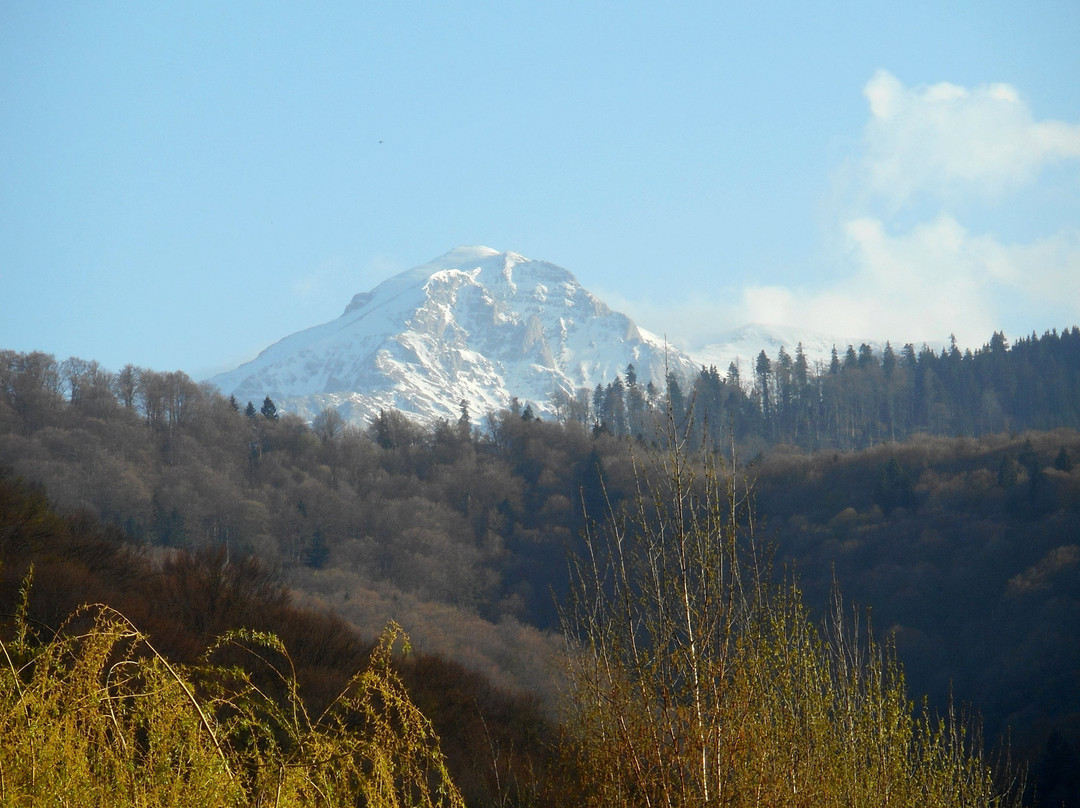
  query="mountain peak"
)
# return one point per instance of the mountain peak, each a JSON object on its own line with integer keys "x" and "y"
{"x": 474, "y": 324}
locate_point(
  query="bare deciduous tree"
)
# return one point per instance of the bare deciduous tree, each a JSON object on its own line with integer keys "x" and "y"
{"x": 694, "y": 680}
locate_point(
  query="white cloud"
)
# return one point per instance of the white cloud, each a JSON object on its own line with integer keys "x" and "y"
{"x": 943, "y": 144}
{"x": 948, "y": 141}
{"x": 931, "y": 281}
{"x": 917, "y": 285}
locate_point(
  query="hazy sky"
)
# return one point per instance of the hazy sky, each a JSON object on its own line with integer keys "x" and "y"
{"x": 181, "y": 184}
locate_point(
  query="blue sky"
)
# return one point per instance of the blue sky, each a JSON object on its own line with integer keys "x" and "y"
{"x": 183, "y": 184}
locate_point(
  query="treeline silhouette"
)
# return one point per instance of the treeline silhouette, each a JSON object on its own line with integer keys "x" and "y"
{"x": 859, "y": 398}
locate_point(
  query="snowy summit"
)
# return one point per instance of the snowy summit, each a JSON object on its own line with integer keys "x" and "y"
{"x": 475, "y": 324}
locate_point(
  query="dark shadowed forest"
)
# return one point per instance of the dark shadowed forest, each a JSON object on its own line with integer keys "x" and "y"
{"x": 938, "y": 492}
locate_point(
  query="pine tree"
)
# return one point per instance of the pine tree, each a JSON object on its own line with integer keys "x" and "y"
{"x": 318, "y": 552}
{"x": 763, "y": 370}
{"x": 851, "y": 360}
{"x": 676, "y": 400}
{"x": 269, "y": 410}
{"x": 1063, "y": 462}
{"x": 888, "y": 360}
{"x": 802, "y": 368}
{"x": 464, "y": 424}
{"x": 615, "y": 407}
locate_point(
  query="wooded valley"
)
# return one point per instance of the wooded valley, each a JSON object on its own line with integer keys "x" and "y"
{"x": 939, "y": 493}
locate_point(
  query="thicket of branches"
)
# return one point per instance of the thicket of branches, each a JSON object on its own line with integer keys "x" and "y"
{"x": 695, "y": 679}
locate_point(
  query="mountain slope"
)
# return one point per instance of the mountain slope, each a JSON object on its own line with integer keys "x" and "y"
{"x": 474, "y": 324}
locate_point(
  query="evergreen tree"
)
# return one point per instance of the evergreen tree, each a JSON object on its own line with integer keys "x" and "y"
{"x": 851, "y": 360}
{"x": 318, "y": 552}
{"x": 894, "y": 488}
{"x": 1063, "y": 462}
{"x": 676, "y": 400}
{"x": 615, "y": 407}
{"x": 269, "y": 410}
{"x": 652, "y": 394}
{"x": 635, "y": 403}
{"x": 599, "y": 410}
{"x": 464, "y": 424}
{"x": 783, "y": 372}
{"x": 888, "y": 361}
{"x": 802, "y": 368}
{"x": 733, "y": 374}
{"x": 910, "y": 357}
{"x": 763, "y": 370}
{"x": 866, "y": 356}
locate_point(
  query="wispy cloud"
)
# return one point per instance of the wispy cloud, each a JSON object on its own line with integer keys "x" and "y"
{"x": 946, "y": 141}
{"x": 918, "y": 260}
{"x": 937, "y": 278}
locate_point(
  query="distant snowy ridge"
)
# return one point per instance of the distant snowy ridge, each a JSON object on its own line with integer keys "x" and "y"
{"x": 475, "y": 324}
{"x": 742, "y": 346}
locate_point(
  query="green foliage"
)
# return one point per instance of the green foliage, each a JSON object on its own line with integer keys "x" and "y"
{"x": 318, "y": 553}
{"x": 269, "y": 409}
{"x": 694, "y": 680}
{"x": 894, "y": 488}
{"x": 865, "y": 399}
{"x": 96, "y": 716}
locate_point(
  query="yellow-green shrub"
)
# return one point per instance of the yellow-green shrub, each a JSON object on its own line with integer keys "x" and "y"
{"x": 96, "y": 717}
{"x": 694, "y": 680}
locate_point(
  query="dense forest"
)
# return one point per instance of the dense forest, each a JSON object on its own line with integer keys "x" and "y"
{"x": 859, "y": 398}
{"x": 942, "y": 492}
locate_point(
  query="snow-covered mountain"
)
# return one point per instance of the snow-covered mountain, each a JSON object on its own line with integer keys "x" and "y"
{"x": 474, "y": 324}
{"x": 742, "y": 346}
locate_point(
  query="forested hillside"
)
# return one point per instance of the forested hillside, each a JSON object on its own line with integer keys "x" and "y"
{"x": 861, "y": 398}
{"x": 960, "y": 532}
{"x": 119, "y": 658}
